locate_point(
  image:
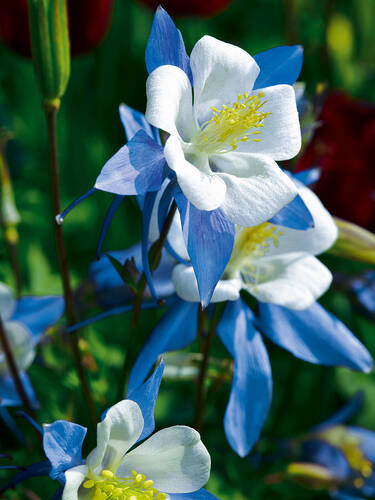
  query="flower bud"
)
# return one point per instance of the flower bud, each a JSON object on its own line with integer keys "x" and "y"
{"x": 354, "y": 242}
{"x": 50, "y": 47}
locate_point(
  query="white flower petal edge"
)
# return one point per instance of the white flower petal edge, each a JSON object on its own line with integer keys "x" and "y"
{"x": 74, "y": 478}
{"x": 119, "y": 431}
{"x": 256, "y": 191}
{"x": 292, "y": 281}
{"x": 280, "y": 138}
{"x": 186, "y": 286}
{"x": 175, "y": 459}
{"x": 312, "y": 241}
{"x": 221, "y": 71}
{"x": 7, "y": 302}
{"x": 22, "y": 344}
{"x": 205, "y": 190}
{"x": 169, "y": 102}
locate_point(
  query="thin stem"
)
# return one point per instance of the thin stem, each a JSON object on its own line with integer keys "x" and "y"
{"x": 206, "y": 342}
{"x": 14, "y": 369}
{"x": 51, "y": 117}
{"x": 14, "y": 260}
{"x": 154, "y": 256}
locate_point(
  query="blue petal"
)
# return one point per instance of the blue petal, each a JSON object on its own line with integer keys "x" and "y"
{"x": 145, "y": 395}
{"x": 343, "y": 414}
{"x": 134, "y": 121}
{"x": 279, "y": 65}
{"x": 136, "y": 168}
{"x": 38, "y": 313}
{"x": 314, "y": 335}
{"x": 9, "y": 395}
{"x": 62, "y": 443}
{"x": 209, "y": 239}
{"x": 309, "y": 176}
{"x": 364, "y": 291}
{"x": 35, "y": 470}
{"x": 11, "y": 424}
{"x": 166, "y": 45}
{"x": 295, "y": 215}
{"x": 322, "y": 453}
{"x": 201, "y": 494}
{"x": 251, "y": 392}
{"x": 176, "y": 330}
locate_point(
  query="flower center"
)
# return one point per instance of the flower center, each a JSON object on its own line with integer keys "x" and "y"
{"x": 252, "y": 243}
{"x": 231, "y": 125}
{"x": 135, "y": 487}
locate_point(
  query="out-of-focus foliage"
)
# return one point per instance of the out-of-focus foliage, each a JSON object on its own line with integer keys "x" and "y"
{"x": 339, "y": 43}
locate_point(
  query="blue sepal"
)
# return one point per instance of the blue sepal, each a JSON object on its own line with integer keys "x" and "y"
{"x": 145, "y": 396}
{"x": 9, "y": 395}
{"x": 295, "y": 215}
{"x": 35, "y": 470}
{"x": 314, "y": 335}
{"x": 209, "y": 239}
{"x": 279, "y": 65}
{"x": 166, "y": 45}
{"x": 38, "y": 313}
{"x": 136, "y": 168}
{"x": 308, "y": 177}
{"x": 321, "y": 452}
{"x": 201, "y": 494}
{"x": 133, "y": 121}
{"x": 62, "y": 443}
{"x": 107, "y": 222}
{"x": 176, "y": 330}
{"x": 251, "y": 391}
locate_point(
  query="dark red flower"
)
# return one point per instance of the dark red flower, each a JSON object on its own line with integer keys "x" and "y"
{"x": 88, "y": 23}
{"x": 204, "y": 8}
{"x": 344, "y": 147}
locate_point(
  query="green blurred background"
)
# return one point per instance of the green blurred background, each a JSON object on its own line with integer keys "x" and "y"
{"x": 339, "y": 42}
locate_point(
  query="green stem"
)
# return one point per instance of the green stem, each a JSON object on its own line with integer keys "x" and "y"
{"x": 206, "y": 338}
{"x": 154, "y": 257}
{"x": 51, "y": 110}
{"x": 13, "y": 369}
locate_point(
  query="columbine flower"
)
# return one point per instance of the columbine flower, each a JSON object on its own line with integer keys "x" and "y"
{"x": 223, "y": 146}
{"x": 334, "y": 455}
{"x": 24, "y": 321}
{"x": 275, "y": 264}
{"x": 173, "y": 460}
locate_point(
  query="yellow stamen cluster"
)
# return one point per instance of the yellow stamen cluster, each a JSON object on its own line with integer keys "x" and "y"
{"x": 231, "y": 125}
{"x": 135, "y": 487}
{"x": 339, "y": 437}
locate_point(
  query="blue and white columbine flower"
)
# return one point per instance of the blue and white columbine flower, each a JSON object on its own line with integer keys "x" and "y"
{"x": 223, "y": 145}
{"x": 273, "y": 263}
{"x": 173, "y": 460}
{"x": 24, "y": 321}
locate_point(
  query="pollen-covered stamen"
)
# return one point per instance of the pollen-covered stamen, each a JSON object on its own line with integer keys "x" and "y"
{"x": 135, "y": 487}
{"x": 230, "y": 125}
{"x": 251, "y": 244}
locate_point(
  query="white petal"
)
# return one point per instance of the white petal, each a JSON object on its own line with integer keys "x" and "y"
{"x": 169, "y": 102}
{"x": 221, "y": 71}
{"x": 204, "y": 189}
{"x": 175, "y": 236}
{"x": 292, "y": 281}
{"x": 7, "y": 302}
{"x": 280, "y": 136}
{"x": 186, "y": 286}
{"x": 174, "y": 458}
{"x": 74, "y": 478}
{"x": 119, "y": 431}
{"x": 312, "y": 241}
{"x": 22, "y": 345}
{"x": 256, "y": 187}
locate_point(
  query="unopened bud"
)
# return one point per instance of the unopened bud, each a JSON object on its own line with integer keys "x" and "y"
{"x": 354, "y": 242}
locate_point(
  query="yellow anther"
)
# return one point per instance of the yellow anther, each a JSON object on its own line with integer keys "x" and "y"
{"x": 108, "y": 487}
{"x": 139, "y": 478}
{"x": 261, "y": 94}
{"x": 89, "y": 483}
{"x": 161, "y": 496}
{"x": 117, "y": 492}
{"x": 148, "y": 483}
{"x": 133, "y": 497}
{"x": 108, "y": 474}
